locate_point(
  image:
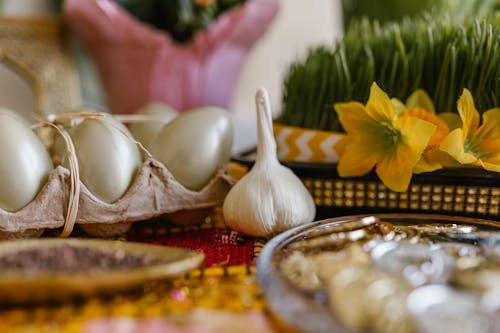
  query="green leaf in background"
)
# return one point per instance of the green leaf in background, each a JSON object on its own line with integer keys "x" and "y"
{"x": 180, "y": 18}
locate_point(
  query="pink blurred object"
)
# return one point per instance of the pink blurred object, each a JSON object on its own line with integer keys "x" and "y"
{"x": 195, "y": 321}
{"x": 139, "y": 64}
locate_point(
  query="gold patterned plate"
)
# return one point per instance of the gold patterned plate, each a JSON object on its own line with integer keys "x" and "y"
{"x": 57, "y": 269}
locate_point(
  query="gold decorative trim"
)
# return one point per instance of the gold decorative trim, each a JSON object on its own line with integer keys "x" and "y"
{"x": 470, "y": 200}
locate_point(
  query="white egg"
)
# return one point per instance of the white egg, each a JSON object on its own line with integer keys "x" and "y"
{"x": 17, "y": 115}
{"x": 194, "y": 145}
{"x": 108, "y": 159}
{"x": 145, "y": 132}
{"x": 24, "y": 165}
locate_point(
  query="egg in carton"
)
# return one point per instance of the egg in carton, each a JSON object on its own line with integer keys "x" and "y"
{"x": 107, "y": 180}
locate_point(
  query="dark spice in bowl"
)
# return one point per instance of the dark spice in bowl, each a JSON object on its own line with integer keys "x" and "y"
{"x": 68, "y": 258}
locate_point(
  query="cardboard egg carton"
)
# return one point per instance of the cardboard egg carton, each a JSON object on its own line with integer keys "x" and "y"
{"x": 154, "y": 192}
{"x": 64, "y": 201}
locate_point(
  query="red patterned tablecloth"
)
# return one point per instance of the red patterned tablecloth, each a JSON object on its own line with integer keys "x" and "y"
{"x": 221, "y": 296}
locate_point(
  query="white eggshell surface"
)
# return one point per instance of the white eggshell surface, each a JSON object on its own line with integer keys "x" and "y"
{"x": 24, "y": 164}
{"x": 145, "y": 132}
{"x": 108, "y": 159}
{"x": 194, "y": 145}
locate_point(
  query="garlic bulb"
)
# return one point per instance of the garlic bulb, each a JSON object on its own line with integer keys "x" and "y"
{"x": 270, "y": 198}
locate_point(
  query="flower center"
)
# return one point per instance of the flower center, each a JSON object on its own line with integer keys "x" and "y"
{"x": 473, "y": 147}
{"x": 389, "y": 136}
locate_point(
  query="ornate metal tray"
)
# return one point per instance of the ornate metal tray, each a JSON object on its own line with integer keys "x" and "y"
{"x": 442, "y": 252}
{"x": 55, "y": 269}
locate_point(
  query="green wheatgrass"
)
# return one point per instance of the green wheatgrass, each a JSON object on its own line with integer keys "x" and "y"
{"x": 441, "y": 56}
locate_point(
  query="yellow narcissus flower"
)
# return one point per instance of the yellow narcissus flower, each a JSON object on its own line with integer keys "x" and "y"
{"x": 376, "y": 137}
{"x": 419, "y": 105}
{"x": 475, "y": 144}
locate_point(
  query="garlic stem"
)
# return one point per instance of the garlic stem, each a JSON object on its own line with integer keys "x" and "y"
{"x": 266, "y": 146}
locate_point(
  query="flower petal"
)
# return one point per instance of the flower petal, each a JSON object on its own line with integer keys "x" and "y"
{"x": 491, "y": 166}
{"x": 395, "y": 171}
{"x": 357, "y": 160}
{"x": 434, "y": 159}
{"x": 417, "y": 133}
{"x": 442, "y": 129}
{"x": 451, "y": 119}
{"x": 491, "y": 148}
{"x": 420, "y": 99}
{"x": 342, "y": 144}
{"x": 453, "y": 144}
{"x": 468, "y": 114}
{"x": 426, "y": 164}
{"x": 353, "y": 117}
{"x": 399, "y": 106}
{"x": 490, "y": 129}
{"x": 379, "y": 105}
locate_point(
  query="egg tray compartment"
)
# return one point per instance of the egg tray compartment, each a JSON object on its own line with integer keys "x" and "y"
{"x": 154, "y": 192}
